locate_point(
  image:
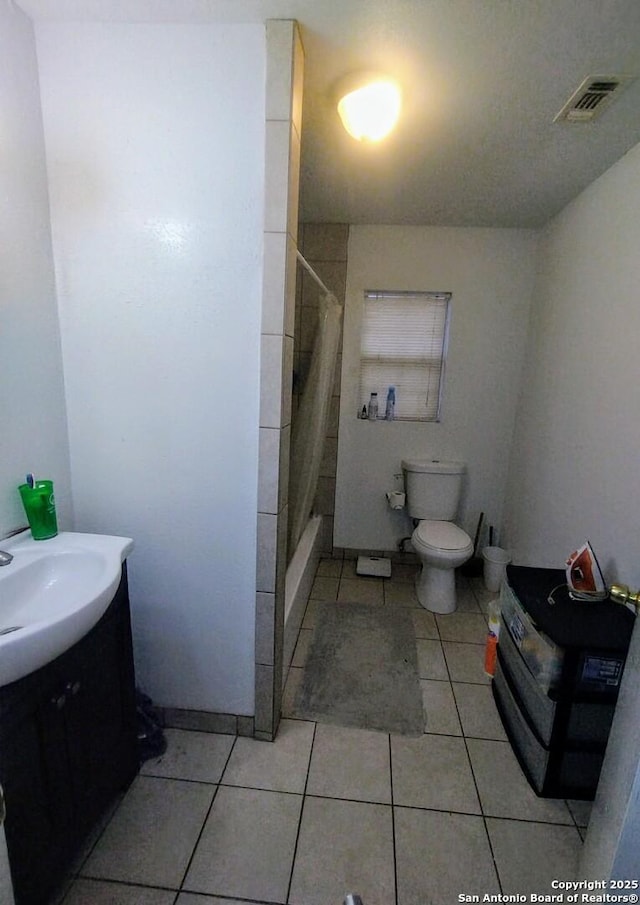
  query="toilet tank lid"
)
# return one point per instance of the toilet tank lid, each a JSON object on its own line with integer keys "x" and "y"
{"x": 434, "y": 466}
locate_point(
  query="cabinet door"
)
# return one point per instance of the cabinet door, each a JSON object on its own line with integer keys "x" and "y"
{"x": 33, "y": 772}
{"x": 100, "y": 722}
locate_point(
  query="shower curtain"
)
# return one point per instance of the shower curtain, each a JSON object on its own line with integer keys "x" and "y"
{"x": 310, "y": 424}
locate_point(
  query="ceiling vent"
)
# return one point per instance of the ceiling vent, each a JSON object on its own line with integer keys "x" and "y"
{"x": 593, "y": 96}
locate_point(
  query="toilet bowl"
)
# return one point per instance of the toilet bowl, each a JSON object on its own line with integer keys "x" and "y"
{"x": 433, "y": 490}
{"x": 441, "y": 547}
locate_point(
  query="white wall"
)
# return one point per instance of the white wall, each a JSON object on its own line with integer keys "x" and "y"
{"x": 577, "y": 441}
{"x": 155, "y": 148}
{"x": 32, "y": 413}
{"x": 490, "y": 273}
{"x": 574, "y": 471}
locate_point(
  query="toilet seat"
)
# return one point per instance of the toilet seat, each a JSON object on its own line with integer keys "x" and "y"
{"x": 438, "y": 535}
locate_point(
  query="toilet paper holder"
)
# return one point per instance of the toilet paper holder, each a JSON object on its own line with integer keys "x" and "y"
{"x": 396, "y": 499}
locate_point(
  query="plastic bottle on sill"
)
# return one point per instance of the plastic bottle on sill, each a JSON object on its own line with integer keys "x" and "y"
{"x": 390, "y": 408}
{"x": 373, "y": 407}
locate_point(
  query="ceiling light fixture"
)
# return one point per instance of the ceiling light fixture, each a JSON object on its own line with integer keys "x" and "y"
{"x": 369, "y": 106}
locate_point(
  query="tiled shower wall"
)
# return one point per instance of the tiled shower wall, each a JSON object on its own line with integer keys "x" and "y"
{"x": 287, "y": 313}
{"x": 285, "y": 64}
{"x": 324, "y": 246}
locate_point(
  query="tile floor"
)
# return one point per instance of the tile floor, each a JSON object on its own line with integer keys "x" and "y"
{"x": 324, "y": 810}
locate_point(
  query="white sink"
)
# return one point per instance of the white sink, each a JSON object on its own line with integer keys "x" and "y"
{"x": 52, "y": 593}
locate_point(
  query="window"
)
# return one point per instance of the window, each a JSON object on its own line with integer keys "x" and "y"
{"x": 403, "y": 344}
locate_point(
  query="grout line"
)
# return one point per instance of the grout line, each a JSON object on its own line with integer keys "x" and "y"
{"x": 455, "y": 703}
{"x": 193, "y": 782}
{"x": 475, "y": 783}
{"x": 206, "y": 818}
{"x": 324, "y": 797}
{"x": 493, "y": 854}
{"x": 446, "y": 663}
{"x": 393, "y": 823}
{"x": 434, "y": 679}
{"x": 131, "y": 883}
{"x": 469, "y": 643}
{"x": 484, "y": 816}
{"x": 515, "y": 820}
{"x": 523, "y": 820}
{"x": 302, "y": 806}
{"x": 228, "y": 785}
{"x": 573, "y": 817}
{"x": 197, "y": 842}
{"x": 578, "y": 826}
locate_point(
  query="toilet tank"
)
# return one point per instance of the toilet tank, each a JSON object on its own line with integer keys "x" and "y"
{"x": 433, "y": 488}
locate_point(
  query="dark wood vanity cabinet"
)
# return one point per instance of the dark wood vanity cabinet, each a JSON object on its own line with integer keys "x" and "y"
{"x": 68, "y": 747}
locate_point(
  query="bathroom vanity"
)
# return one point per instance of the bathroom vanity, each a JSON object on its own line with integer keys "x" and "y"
{"x": 68, "y": 748}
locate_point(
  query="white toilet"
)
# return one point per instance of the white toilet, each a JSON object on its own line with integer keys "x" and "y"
{"x": 433, "y": 493}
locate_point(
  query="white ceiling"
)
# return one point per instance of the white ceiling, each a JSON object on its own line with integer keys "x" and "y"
{"x": 483, "y": 79}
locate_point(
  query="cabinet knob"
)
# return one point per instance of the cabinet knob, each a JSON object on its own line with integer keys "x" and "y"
{"x": 59, "y": 701}
{"x": 72, "y": 688}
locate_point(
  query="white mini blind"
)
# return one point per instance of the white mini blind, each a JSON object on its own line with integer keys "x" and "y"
{"x": 403, "y": 344}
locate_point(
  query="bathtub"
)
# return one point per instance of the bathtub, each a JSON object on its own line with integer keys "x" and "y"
{"x": 299, "y": 578}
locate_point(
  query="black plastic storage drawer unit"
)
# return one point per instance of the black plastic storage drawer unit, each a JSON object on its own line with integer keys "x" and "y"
{"x": 559, "y": 670}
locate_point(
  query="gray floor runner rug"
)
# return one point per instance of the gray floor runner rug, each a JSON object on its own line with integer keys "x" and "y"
{"x": 362, "y": 670}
